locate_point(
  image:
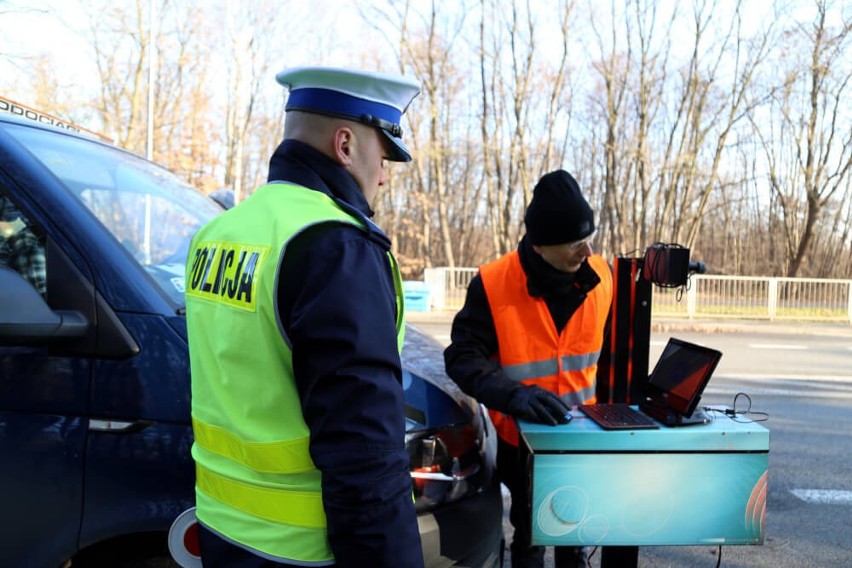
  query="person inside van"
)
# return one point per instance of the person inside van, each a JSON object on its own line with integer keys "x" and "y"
{"x": 20, "y": 248}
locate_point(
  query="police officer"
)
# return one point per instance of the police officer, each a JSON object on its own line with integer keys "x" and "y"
{"x": 294, "y": 314}
{"x": 526, "y": 342}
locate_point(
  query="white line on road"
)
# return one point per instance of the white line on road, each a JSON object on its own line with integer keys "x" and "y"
{"x": 824, "y": 496}
{"x": 783, "y": 377}
{"x": 781, "y": 392}
{"x": 776, "y": 346}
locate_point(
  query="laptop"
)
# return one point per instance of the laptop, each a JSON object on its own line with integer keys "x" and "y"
{"x": 671, "y": 394}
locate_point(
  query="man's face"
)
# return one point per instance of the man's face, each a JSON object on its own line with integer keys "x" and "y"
{"x": 368, "y": 160}
{"x": 566, "y": 257}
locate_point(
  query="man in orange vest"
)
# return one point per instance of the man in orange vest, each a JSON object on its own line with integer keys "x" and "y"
{"x": 526, "y": 342}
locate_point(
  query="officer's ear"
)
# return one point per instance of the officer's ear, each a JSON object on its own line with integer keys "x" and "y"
{"x": 343, "y": 141}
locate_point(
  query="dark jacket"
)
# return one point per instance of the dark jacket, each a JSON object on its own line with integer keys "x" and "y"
{"x": 337, "y": 306}
{"x": 470, "y": 358}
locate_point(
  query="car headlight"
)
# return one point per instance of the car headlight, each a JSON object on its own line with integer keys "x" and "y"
{"x": 446, "y": 464}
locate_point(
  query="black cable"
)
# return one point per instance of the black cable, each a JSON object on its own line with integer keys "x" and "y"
{"x": 654, "y": 267}
{"x": 628, "y": 254}
{"x": 592, "y": 553}
{"x": 734, "y": 413}
{"x": 711, "y": 413}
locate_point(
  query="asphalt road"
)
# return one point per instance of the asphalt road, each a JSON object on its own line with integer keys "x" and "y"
{"x": 800, "y": 375}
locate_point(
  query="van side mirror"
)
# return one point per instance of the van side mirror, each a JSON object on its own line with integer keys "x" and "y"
{"x": 26, "y": 319}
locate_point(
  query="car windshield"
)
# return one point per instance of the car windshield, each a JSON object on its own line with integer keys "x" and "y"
{"x": 149, "y": 210}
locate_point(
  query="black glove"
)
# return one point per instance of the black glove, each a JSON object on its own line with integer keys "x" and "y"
{"x": 534, "y": 404}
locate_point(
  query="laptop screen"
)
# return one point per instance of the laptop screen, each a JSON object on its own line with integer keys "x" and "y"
{"x": 680, "y": 375}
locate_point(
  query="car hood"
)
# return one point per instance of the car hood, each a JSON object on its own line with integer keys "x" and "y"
{"x": 423, "y": 356}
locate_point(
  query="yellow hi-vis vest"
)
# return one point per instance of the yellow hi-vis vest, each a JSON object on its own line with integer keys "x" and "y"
{"x": 256, "y": 484}
{"x": 531, "y": 350}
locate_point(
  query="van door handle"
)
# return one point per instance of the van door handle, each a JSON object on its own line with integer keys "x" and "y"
{"x": 119, "y": 426}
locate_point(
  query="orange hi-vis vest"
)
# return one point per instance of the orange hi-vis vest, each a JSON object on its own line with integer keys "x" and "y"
{"x": 531, "y": 351}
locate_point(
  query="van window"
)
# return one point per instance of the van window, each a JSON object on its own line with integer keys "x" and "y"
{"x": 149, "y": 210}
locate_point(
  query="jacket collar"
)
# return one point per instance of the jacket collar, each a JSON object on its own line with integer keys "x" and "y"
{"x": 299, "y": 163}
{"x": 545, "y": 281}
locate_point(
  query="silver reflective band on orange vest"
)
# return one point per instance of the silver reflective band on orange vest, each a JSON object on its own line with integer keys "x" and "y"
{"x": 579, "y": 397}
{"x": 531, "y": 351}
{"x": 524, "y": 371}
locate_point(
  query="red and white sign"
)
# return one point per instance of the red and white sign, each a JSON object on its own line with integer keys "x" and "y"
{"x": 183, "y": 540}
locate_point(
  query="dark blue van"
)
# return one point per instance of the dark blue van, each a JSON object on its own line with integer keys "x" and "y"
{"x": 94, "y": 373}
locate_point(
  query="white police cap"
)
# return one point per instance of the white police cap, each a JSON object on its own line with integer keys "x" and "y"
{"x": 371, "y": 98}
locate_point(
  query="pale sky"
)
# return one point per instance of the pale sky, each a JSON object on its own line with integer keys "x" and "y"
{"x": 33, "y": 27}
{"x": 29, "y": 28}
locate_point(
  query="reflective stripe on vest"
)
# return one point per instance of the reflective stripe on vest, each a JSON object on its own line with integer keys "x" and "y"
{"x": 256, "y": 484}
{"x": 536, "y": 369}
{"x": 286, "y": 507}
{"x": 531, "y": 350}
{"x": 271, "y": 457}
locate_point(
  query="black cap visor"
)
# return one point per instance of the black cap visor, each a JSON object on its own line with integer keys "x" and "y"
{"x": 397, "y": 152}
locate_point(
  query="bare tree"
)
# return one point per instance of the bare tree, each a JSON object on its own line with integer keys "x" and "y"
{"x": 614, "y": 69}
{"x": 513, "y": 88}
{"x": 249, "y": 55}
{"x": 523, "y": 108}
{"x": 713, "y": 101}
{"x": 806, "y": 134}
{"x": 14, "y": 57}
{"x": 647, "y": 101}
{"x": 119, "y": 42}
{"x": 663, "y": 131}
{"x": 646, "y": 107}
{"x": 43, "y": 89}
{"x": 432, "y": 63}
{"x": 421, "y": 204}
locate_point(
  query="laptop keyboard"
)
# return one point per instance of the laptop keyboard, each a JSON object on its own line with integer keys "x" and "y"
{"x": 617, "y": 416}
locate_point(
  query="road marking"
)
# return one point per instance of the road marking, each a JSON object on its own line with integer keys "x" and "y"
{"x": 836, "y": 387}
{"x": 791, "y": 393}
{"x": 763, "y": 377}
{"x": 775, "y": 346}
{"x": 824, "y": 496}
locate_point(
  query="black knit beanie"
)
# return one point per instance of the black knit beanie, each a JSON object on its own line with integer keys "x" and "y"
{"x": 558, "y": 213}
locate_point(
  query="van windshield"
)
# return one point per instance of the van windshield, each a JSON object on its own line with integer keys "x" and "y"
{"x": 149, "y": 210}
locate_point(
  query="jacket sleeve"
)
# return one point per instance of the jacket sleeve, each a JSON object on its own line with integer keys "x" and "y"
{"x": 470, "y": 359}
{"x": 337, "y": 307}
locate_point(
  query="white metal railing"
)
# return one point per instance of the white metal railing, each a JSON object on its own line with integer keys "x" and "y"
{"x": 705, "y": 296}
{"x": 448, "y": 286}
